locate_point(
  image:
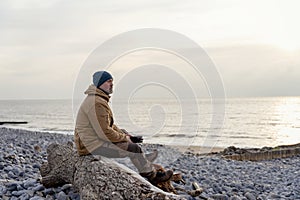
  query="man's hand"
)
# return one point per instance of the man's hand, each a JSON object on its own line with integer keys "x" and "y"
{"x": 128, "y": 138}
{"x": 133, "y": 139}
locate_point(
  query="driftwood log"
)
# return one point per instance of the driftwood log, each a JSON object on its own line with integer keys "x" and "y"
{"x": 96, "y": 177}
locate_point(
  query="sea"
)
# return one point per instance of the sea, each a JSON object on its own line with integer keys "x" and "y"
{"x": 240, "y": 122}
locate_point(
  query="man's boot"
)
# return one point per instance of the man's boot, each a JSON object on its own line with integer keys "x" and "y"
{"x": 151, "y": 156}
{"x": 156, "y": 177}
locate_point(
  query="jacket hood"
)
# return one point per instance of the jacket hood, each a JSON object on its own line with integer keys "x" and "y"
{"x": 93, "y": 90}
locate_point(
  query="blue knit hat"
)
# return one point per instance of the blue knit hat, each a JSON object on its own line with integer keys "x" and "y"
{"x": 100, "y": 77}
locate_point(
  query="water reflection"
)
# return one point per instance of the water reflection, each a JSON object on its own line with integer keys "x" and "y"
{"x": 288, "y": 111}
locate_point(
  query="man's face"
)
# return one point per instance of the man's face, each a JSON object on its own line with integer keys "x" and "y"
{"x": 107, "y": 86}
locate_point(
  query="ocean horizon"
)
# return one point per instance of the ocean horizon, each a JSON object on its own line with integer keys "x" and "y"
{"x": 246, "y": 122}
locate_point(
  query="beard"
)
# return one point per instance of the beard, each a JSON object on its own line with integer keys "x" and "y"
{"x": 110, "y": 90}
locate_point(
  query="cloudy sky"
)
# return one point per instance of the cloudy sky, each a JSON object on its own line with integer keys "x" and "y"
{"x": 255, "y": 44}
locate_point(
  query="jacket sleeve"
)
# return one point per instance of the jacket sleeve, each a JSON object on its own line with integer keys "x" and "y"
{"x": 99, "y": 118}
{"x": 116, "y": 128}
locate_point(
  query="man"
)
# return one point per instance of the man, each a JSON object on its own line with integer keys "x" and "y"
{"x": 96, "y": 133}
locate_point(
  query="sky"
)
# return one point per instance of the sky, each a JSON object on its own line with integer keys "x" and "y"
{"x": 254, "y": 44}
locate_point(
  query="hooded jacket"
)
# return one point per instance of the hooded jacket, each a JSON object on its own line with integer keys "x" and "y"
{"x": 95, "y": 123}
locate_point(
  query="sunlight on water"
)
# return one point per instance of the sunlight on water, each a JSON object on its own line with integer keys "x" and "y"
{"x": 288, "y": 110}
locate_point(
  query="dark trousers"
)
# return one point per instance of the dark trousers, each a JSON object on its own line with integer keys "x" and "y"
{"x": 126, "y": 149}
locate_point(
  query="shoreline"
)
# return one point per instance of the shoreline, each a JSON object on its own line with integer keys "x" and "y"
{"x": 181, "y": 148}
{"x": 190, "y": 148}
{"x": 198, "y": 150}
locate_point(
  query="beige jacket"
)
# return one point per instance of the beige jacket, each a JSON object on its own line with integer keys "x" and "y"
{"x": 95, "y": 123}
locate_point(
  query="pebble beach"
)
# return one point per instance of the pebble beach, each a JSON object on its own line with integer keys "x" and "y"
{"x": 23, "y": 152}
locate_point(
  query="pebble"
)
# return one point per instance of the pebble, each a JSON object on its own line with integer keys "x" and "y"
{"x": 73, "y": 195}
{"x": 36, "y": 165}
{"x": 235, "y": 198}
{"x": 62, "y": 196}
{"x": 20, "y": 163}
{"x": 49, "y": 191}
{"x": 274, "y": 196}
{"x": 36, "y": 198}
{"x": 49, "y": 197}
{"x": 2, "y": 190}
{"x": 38, "y": 188}
{"x": 220, "y": 197}
{"x": 24, "y": 196}
{"x": 11, "y": 186}
{"x": 250, "y": 196}
{"x": 220, "y": 178}
{"x": 29, "y": 183}
{"x": 18, "y": 193}
{"x": 7, "y": 169}
{"x": 261, "y": 197}
{"x": 66, "y": 187}
{"x": 11, "y": 175}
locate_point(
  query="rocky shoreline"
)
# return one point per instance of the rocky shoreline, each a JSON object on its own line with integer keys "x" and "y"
{"x": 23, "y": 152}
{"x": 260, "y": 154}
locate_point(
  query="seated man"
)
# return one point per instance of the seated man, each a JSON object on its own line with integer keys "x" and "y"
{"x": 96, "y": 133}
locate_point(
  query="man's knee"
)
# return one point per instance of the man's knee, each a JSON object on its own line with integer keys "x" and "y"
{"x": 134, "y": 148}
